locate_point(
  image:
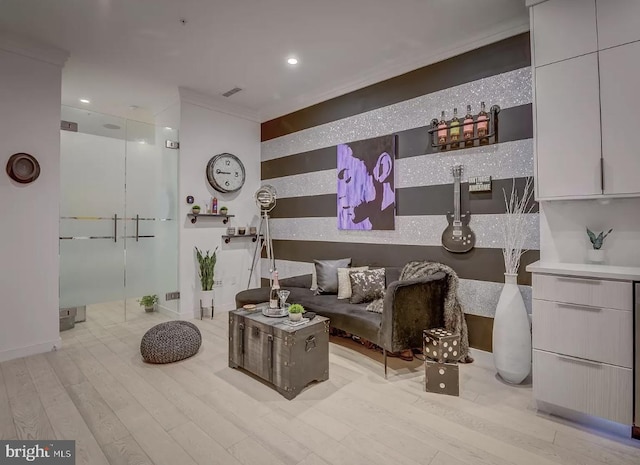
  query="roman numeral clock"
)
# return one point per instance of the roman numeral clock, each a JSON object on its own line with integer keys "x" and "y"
{"x": 225, "y": 173}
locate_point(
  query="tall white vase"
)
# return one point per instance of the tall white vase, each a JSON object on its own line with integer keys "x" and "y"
{"x": 511, "y": 334}
{"x": 206, "y": 299}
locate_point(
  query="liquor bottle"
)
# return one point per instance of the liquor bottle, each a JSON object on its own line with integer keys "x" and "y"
{"x": 483, "y": 125}
{"x": 442, "y": 130}
{"x": 275, "y": 287}
{"x": 454, "y": 132}
{"x": 467, "y": 128}
{"x": 214, "y": 206}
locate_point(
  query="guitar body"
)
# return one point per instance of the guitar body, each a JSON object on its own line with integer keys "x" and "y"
{"x": 458, "y": 238}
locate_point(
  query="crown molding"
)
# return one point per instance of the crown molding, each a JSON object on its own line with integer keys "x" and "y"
{"x": 32, "y": 49}
{"x": 396, "y": 68}
{"x": 216, "y": 104}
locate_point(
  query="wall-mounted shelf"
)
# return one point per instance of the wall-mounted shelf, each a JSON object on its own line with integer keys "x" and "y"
{"x": 194, "y": 216}
{"x": 488, "y": 139}
{"x": 227, "y": 237}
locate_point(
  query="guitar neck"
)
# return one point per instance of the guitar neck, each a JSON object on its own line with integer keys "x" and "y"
{"x": 456, "y": 199}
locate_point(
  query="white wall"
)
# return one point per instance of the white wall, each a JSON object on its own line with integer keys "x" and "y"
{"x": 205, "y": 132}
{"x": 29, "y": 122}
{"x": 563, "y": 237}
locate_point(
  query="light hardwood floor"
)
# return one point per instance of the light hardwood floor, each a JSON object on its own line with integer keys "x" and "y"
{"x": 120, "y": 410}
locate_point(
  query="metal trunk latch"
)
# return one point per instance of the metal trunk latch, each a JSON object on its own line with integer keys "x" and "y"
{"x": 309, "y": 343}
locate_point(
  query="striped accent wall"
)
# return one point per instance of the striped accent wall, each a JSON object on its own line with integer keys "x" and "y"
{"x": 301, "y": 165}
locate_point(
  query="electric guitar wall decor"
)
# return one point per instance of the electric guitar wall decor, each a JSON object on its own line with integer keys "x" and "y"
{"x": 458, "y": 237}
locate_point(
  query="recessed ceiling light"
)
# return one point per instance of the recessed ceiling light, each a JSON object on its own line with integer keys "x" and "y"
{"x": 292, "y": 61}
{"x": 85, "y": 100}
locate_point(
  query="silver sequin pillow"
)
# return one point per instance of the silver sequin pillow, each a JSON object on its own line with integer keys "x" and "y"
{"x": 367, "y": 285}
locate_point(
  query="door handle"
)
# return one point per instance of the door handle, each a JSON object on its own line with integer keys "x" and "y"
{"x": 566, "y": 358}
{"x": 579, "y": 307}
{"x": 115, "y": 227}
{"x": 137, "y": 228}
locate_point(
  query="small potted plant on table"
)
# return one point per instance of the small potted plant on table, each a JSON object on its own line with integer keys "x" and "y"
{"x": 149, "y": 302}
{"x": 295, "y": 312}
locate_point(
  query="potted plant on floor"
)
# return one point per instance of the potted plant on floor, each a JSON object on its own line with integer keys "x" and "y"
{"x": 207, "y": 265}
{"x": 295, "y": 312}
{"x": 148, "y": 302}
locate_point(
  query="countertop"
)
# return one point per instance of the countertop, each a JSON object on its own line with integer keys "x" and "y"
{"x": 620, "y": 273}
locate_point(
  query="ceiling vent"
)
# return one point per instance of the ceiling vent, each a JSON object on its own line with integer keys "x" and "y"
{"x": 229, "y": 93}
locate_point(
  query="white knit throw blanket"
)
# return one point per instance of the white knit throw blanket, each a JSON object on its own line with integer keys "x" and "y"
{"x": 454, "y": 320}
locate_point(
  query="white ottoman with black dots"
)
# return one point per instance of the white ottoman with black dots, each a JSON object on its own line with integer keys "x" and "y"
{"x": 441, "y": 345}
{"x": 442, "y": 378}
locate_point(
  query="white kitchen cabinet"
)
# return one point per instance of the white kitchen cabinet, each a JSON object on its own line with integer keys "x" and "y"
{"x": 568, "y": 150}
{"x": 563, "y": 29}
{"x": 620, "y": 100}
{"x": 583, "y": 342}
{"x": 618, "y": 22}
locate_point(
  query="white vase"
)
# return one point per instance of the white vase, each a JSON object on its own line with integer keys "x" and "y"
{"x": 206, "y": 299}
{"x": 595, "y": 256}
{"x": 295, "y": 316}
{"x": 511, "y": 334}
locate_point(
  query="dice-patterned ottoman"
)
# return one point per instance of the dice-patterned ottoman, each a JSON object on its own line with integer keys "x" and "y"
{"x": 442, "y": 378}
{"x": 441, "y": 345}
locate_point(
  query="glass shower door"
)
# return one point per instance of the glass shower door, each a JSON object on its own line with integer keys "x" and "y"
{"x": 92, "y": 179}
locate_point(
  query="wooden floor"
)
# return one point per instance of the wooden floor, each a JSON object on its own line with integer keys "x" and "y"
{"x": 119, "y": 410}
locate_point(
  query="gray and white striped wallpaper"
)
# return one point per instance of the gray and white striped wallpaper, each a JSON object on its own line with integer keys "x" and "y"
{"x": 506, "y": 160}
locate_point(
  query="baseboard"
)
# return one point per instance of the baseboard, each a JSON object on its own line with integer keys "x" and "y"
{"x": 168, "y": 312}
{"x": 20, "y": 352}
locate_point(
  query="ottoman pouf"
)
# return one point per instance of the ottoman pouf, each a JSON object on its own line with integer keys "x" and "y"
{"x": 171, "y": 341}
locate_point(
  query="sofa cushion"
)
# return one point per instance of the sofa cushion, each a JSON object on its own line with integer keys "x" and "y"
{"x": 367, "y": 286}
{"x": 344, "y": 282}
{"x": 327, "y": 274}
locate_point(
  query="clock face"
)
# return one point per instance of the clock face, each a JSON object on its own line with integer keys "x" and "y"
{"x": 225, "y": 173}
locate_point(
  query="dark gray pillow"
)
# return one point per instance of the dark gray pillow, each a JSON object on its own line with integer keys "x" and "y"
{"x": 327, "y": 274}
{"x": 367, "y": 286}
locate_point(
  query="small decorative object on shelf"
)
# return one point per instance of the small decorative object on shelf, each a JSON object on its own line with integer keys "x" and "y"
{"x": 596, "y": 255}
{"x": 195, "y": 209}
{"x": 231, "y": 231}
{"x": 295, "y": 312}
{"x": 446, "y": 135}
{"x": 214, "y": 205}
{"x": 224, "y": 210}
{"x": 511, "y": 330}
{"x": 148, "y": 302}
{"x": 253, "y": 230}
{"x": 242, "y": 230}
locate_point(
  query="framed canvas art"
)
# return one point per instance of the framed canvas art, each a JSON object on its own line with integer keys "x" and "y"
{"x": 366, "y": 190}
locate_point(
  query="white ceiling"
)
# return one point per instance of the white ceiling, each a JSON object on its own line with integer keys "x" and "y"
{"x": 137, "y": 52}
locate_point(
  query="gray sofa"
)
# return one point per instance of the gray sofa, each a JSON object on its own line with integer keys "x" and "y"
{"x": 409, "y": 307}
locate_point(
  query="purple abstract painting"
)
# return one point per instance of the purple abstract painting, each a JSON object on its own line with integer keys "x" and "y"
{"x": 366, "y": 193}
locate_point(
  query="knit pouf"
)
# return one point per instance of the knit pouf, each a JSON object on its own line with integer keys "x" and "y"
{"x": 171, "y": 341}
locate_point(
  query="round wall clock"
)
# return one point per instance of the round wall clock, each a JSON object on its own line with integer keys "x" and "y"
{"x": 225, "y": 172}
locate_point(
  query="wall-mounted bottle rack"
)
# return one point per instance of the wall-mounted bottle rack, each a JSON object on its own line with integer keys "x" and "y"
{"x": 478, "y": 137}
{"x": 194, "y": 216}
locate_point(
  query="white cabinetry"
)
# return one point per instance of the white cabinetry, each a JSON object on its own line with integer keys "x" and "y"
{"x": 563, "y": 29}
{"x": 620, "y": 96}
{"x": 583, "y": 345}
{"x": 617, "y": 22}
{"x": 586, "y": 95}
{"x": 568, "y": 110}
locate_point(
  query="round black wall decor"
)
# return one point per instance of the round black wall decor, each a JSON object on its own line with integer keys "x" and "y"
{"x": 23, "y": 168}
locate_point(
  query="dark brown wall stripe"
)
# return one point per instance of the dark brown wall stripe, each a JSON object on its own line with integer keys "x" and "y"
{"x": 500, "y": 57}
{"x": 410, "y": 201}
{"x": 516, "y": 123}
{"x": 480, "y": 264}
{"x": 480, "y": 331}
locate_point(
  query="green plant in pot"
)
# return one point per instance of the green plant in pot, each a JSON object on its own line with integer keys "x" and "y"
{"x": 224, "y": 210}
{"x": 596, "y": 255}
{"x": 148, "y": 302}
{"x": 295, "y": 312}
{"x": 195, "y": 209}
{"x": 206, "y": 269}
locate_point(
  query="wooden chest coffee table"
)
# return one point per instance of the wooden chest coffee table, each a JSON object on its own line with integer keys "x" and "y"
{"x": 289, "y": 358}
